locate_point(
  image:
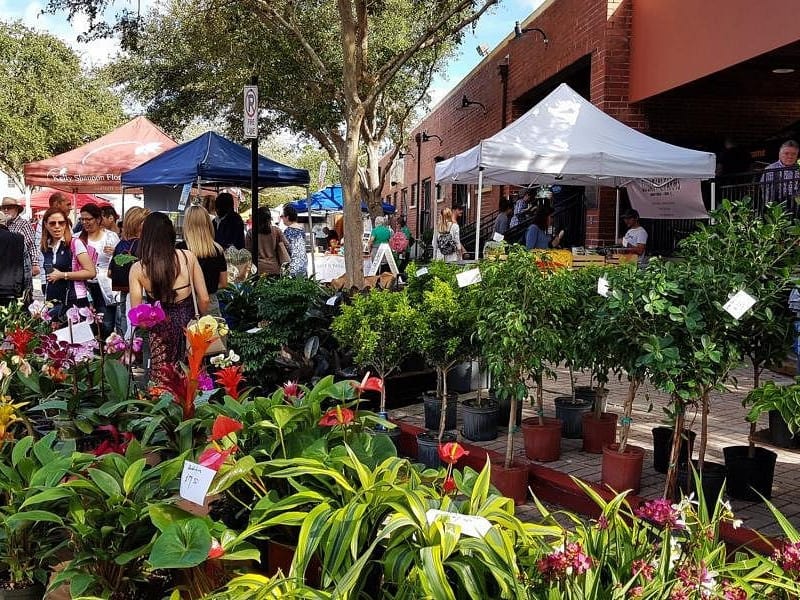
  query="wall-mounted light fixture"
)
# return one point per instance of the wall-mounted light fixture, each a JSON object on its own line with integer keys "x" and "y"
{"x": 402, "y": 154}
{"x": 519, "y": 31}
{"x": 466, "y": 102}
{"x": 427, "y": 137}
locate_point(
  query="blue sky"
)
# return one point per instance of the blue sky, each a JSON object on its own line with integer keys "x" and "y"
{"x": 491, "y": 29}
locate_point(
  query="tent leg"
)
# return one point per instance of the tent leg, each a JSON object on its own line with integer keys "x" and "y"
{"x": 478, "y": 215}
{"x": 311, "y": 235}
{"x": 122, "y": 208}
{"x": 616, "y": 220}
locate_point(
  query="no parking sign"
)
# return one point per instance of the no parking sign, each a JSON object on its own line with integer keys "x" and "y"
{"x": 250, "y": 111}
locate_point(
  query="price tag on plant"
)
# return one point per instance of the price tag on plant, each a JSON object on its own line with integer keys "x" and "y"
{"x": 195, "y": 481}
{"x": 498, "y": 237}
{"x": 470, "y": 525}
{"x": 422, "y": 271}
{"x": 739, "y": 304}
{"x": 253, "y": 330}
{"x": 470, "y": 277}
{"x": 602, "y": 287}
{"x": 331, "y": 301}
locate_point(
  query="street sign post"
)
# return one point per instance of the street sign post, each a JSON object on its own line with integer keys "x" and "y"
{"x": 250, "y": 111}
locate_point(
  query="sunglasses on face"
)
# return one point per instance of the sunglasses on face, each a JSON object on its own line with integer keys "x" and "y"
{"x": 56, "y": 223}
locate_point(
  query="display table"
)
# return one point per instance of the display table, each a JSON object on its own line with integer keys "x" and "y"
{"x": 330, "y": 266}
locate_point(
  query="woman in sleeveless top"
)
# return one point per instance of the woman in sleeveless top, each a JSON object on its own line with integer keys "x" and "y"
{"x": 166, "y": 275}
{"x": 198, "y": 236}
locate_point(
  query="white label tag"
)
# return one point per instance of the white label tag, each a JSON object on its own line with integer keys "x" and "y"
{"x": 422, "y": 271}
{"x": 253, "y": 330}
{"x": 470, "y": 525}
{"x": 468, "y": 277}
{"x": 195, "y": 481}
{"x": 79, "y": 333}
{"x": 331, "y": 301}
{"x": 602, "y": 287}
{"x": 498, "y": 237}
{"x": 739, "y": 304}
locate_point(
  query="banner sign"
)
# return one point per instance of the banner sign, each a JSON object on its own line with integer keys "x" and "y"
{"x": 667, "y": 198}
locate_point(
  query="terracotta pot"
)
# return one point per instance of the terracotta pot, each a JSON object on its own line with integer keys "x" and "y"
{"x": 598, "y": 432}
{"x": 542, "y": 442}
{"x": 511, "y": 482}
{"x": 622, "y": 470}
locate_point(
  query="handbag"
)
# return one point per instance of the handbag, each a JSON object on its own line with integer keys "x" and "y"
{"x": 283, "y": 251}
{"x": 217, "y": 345}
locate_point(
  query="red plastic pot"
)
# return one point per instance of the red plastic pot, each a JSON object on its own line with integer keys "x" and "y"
{"x": 542, "y": 442}
{"x": 598, "y": 432}
{"x": 512, "y": 482}
{"x": 622, "y": 470}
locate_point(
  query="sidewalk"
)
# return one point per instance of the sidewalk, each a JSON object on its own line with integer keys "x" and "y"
{"x": 727, "y": 427}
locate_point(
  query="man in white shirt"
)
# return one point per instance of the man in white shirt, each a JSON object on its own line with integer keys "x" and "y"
{"x": 635, "y": 239}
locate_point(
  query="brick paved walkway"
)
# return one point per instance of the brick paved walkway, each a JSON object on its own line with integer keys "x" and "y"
{"x": 727, "y": 427}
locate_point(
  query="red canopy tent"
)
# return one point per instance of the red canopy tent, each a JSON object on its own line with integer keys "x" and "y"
{"x": 97, "y": 166}
{"x": 41, "y": 200}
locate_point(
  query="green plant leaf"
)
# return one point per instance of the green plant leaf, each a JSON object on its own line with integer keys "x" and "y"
{"x": 181, "y": 545}
{"x": 49, "y": 495}
{"x": 105, "y": 482}
{"x": 33, "y": 515}
{"x": 132, "y": 475}
{"x": 20, "y": 450}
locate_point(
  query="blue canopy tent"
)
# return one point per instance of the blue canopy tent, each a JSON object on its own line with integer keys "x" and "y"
{"x": 330, "y": 199}
{"x": 211, "y": 158}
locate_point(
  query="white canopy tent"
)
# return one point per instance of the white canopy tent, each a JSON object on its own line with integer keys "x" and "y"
{"x": 566, "y": 139}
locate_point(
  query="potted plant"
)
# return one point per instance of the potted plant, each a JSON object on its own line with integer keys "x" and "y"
{"x": 382, "y": 328}
{"x": 518, "y": 329}
{"x": 448, "y": 325}
{"x": 479, "y": 415}
{"x": 758, "y": 254}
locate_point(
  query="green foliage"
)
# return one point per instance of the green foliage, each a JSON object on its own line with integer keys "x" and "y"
{"x": 47, "y": 104}
{"x": 770, "y": 396}
{"x": 381, "y": 327}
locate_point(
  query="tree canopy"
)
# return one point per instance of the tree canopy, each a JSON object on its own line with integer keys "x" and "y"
{"x": 47, "y": 104}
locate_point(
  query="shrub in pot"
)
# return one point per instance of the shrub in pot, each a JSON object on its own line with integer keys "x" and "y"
{"x": 518, "y": 331}
{"x": 447, "y": 331}
{"x": 382, "y": 328}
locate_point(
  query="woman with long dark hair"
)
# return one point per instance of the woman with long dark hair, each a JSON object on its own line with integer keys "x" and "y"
{"x": 66, "y": 261}
{"x": 166, "y": 275}
{"x": 94, "y": 234}
{"x": 537, "y": 237}
{"x": 273, "y": 249}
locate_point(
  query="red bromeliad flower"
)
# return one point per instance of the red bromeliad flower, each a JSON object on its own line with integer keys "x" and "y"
{"x": 118, "y": 443}
{"x": 230, "y": 378}
{"x": 216, "y": 550}
{"x": 449, "y": 485}
{"x": 213, "y": 458}
{"x": 292, "y": 391}
{"x": 224, "y": 426}
{"x": 20, "y": 339}
{"x": 451, "y": 452}
{"x": 337, "y": 416}
{"x": 174, "y": 380}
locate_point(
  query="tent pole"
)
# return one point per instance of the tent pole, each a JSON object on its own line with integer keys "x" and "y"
{"x": 122, "y": 208}
{"x": 616, "y": 221}
{"x": 311, "y": 234}
{"x": 478, "y": 214}
{"x": 713, "y": 195}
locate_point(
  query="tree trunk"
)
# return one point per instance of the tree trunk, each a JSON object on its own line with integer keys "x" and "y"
{"x": 512, "y": 425}
{"x": 633, "y": 386}
{"x": 371, "y": 182}
{"x": 669, "y": 485}
{"x": 539, "y": 400}
{"x": 353, "y": 226}
{"x": 442, "y": 374}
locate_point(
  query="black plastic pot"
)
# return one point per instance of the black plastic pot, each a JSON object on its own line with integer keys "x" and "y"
{"x": 571, "y": 412}
{"x": 712, "y": 480}
{"x": 586, "y": 392}
{"x": 466, "y": 377}
{"x": 779, "y": 432}
{"x": 34, "y": 592}
{"x": 504, "y": 410}
{"x": 749, "y": 477}
{"x": 662, "y": 445}
{"x": 428, "y": 447}
{"x": 433, "y": 410}
{"x": 394, "y": 434}
{"x": 479, "y": 423}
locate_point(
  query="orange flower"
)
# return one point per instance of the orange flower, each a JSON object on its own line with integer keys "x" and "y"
{"x": 199, "y": 341}
{"x": 337, "y": 416}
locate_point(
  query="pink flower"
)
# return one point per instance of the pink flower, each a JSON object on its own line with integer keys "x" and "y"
{"x": 660, "y": 512}
{"x": 602, "y": 522}
{"x": 292, "y": 391}
{"x": 204, "y": 382}
{"x": 732, "y": 592}
{"x": 398, "y": 242}
{"x": 641, "y": 567}
{"x": 213, "y": 458}
{"x": 788, "y": 557}
{"x": 146, "y": 315}
{"x": 136, "y": 344}
{"x": 560, "y": 563}
{"x": 635, "y": 592}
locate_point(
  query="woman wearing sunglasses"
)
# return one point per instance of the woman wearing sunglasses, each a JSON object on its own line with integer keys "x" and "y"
{"x": 66, "y": 264}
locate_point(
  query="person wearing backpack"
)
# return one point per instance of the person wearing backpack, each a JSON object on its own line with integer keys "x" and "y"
{"x": 66, "y": 263}
{"x": 447, "y": 241}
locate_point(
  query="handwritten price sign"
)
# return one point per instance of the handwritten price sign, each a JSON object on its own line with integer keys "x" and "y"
{"x": 195, "y": 481}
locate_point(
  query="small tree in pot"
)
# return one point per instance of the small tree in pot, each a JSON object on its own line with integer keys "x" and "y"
{"x": 382, "y": 328}
{"x": 519, "y": 329}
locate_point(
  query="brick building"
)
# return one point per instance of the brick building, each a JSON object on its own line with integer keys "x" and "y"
{"x": 689, "y": 72}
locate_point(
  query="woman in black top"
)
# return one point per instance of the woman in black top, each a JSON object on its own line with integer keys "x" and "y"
{"x": 198, "y": 235}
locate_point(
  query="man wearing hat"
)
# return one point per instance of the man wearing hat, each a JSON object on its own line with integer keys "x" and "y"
{"x": 635, "y": 239}
{"x": 12, "y": 249}
{"x": 17, "y": 224}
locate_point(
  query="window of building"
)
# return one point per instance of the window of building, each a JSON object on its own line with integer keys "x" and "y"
{"x": 459, "y": 195}
{"x": 413, "y": 195}
{"x": 439, "y": 196}
{"x": 403, "y": 200}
